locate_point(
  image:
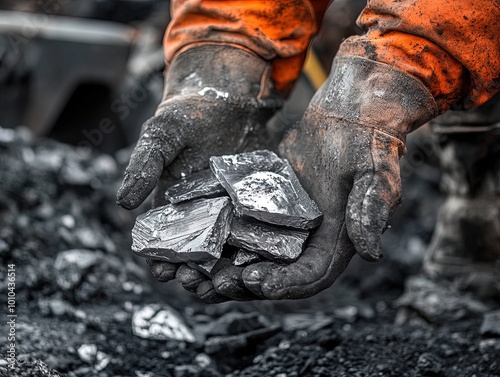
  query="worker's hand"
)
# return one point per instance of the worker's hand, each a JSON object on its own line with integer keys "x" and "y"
{"x": 181, "y": 138}
{"x": 217, "y": 101}
{"x": 352, "y": 173}
{"x": 346, "y": 154}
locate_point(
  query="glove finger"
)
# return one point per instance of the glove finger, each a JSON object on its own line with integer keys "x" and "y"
{"x": 229, "y": 282}
{"x": 151, "y": 155}
{"x": 163, "y": 271}
{"x": 327, "y": 255}
{"x": 189, "y": 278}
{"x": 373, "y": 198}
{"x": 207, "y": 293}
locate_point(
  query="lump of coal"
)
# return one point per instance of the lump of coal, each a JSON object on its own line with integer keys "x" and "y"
{"x": 192, "y": 231}
{"x": 196, "y": 185}
{"x": 73, "y": 265}
{"x": 244, "y": 257}
{"x": 234, "y": 323}
{"x": 265, "y": 187}
{"x": 160, "y": 323}
{"x": 269, "y": 241}
{"x": 232, "y": 343}
{"x": 491, "y": 324}
{"x": 89, "y": 354}
{"x": 84, "y": 274}
{"x": 436, "y": 302}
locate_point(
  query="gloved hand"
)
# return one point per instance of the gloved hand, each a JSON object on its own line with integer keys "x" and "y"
{"x": 346, "y": 153}
{"x": 217, "y": 100}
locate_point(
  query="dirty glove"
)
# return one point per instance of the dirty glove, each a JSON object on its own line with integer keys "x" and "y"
{"x": 346, "y": 153}
{"x": 217, "y": 100}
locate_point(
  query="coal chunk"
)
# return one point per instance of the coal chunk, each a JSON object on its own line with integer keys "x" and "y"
{"x": 197, "y": 185}
{"x": 265, "y": 187}
{"x": 234, "y": 323}
{"x": 269, "y": 241}
{"x": 436, "y": 302}
{"x": 89, "y": 354}
{"x": 429, "y": 365}
{"x": 81, "y": 275}
{"x": 232, "y": 343}
{"x": 160, "y": 322}
{"x": 72, "y": 265}
{"x": 244, "y": 257}
{"x": 192, "y": 231}
{"x": 491, "y": 324}
{"x": 306, "y": 321}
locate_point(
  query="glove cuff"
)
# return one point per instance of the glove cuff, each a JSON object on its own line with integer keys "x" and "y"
{"x": 222, "y": 72}
{"x": 372, "y": 94}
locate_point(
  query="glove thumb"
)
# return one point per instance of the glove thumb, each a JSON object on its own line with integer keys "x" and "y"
{"x": 155, "y": 150}
{"x": 375, "y": 195}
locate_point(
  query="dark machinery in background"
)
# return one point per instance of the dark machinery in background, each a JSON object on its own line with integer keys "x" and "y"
{"x": 89, "y": 73}
{"x": 85, "y": 73}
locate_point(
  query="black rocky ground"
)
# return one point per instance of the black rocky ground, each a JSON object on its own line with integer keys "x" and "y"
{"x": 78, "y": 287}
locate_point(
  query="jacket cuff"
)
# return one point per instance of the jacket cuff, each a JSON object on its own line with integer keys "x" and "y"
{"x": 376, "y": 95}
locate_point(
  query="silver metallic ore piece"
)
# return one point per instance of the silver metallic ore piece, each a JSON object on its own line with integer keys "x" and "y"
{"x": 269, "y": 241}
{"x": 244, "y": 257}
{"x": 265, "y": 187}
{"x": 193, "y": 231}
{"x": 200, "y": 184}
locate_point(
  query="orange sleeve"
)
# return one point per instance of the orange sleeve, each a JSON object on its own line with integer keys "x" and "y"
{"x": 278, "y": 30}
{"x": 451, "y": 46}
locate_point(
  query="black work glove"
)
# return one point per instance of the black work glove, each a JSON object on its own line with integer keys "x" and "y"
{"x": 346, "y": 154}
{"x": 217, "y": 100}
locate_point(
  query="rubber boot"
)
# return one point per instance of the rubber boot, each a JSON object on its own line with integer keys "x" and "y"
{"x": 465, "y": 247}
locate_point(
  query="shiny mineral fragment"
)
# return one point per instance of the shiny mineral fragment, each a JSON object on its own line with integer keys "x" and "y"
{"x": 265, "y": 187}
{"x": 196, "y": 185}
{"x": 244, "y": 257}
{"x": 267, "y": 216}
{"x": 192, "y": 231}
{"x": 269, "y": 241}
{"x": 160, "y": 322}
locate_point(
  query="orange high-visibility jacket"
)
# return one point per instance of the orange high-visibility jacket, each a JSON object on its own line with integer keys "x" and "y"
{"x": 451, "y": 46}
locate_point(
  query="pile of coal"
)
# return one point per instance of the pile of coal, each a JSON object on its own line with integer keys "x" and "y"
{"x": 247, "y": 207}
{"x": 59, "y": 223}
